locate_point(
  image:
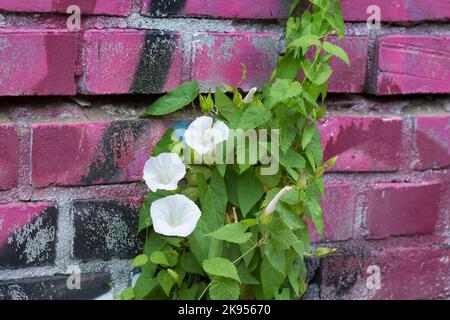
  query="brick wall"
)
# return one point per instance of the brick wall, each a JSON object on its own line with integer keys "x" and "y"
{"x": 72, "y": 148}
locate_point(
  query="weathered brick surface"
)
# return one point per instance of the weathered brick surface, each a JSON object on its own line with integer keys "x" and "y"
{"x": 353, "y": 10}
{"x": 9, "y": 156}
{"x": 397, "y": 10}
{"x": 55, "y": 288}
{"x": 432, "y": 138}
{"x": 264, "y": 9}
{"x": 27, "y": 234}
{"x": 396, "y": 209}
{"x": 350, "y": 78}
{"x": 37, "y": 62}
{"x": 89, "y": 153}
{"x": 217, "y": 58}
{"x": 105, "y": 229}
{"x": 410, "y": 64}
{"x": 131, "y": 61}
{"x": 107, "y": 7}
{"x": 362, "y": 143}
{"x": 406, "y": 274}
{"x": 339, "y": 206}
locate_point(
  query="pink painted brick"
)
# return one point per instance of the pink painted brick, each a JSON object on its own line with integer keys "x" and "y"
{"x": 9, "y": 156}
{"x": 397, "y": 10}
{"x": 106, "y": 7}
{"x": 91, "y": 153}
{"x": 217, "y": 58}
{"x": 37, "y": 62}
{"x": 409, "y": 64}
{"x": 27, "y": 234}
{"x": 339, "y": 207}
{"x": 363, "y": 144}
{"x": 400, "y": 209}
{"x": 350, "y": 78}
{"x": 263, "y": 9}
{"x": 131, "y": 61}
{"x": 409, "y": 273}
{"x": 432, "y": 138}
{"x": 353, "y": 10}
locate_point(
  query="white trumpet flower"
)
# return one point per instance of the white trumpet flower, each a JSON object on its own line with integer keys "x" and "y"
{"x": 203, "y": 136}
{"x": 164, "y": 172}
{"x": 249, "y": 97}
{"x": 174, "y": 215}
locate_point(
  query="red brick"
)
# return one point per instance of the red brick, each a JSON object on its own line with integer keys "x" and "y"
{"x": 9, "y": 156}
{"x": 350, "y": 78}
{"x": 131, "y": 61}
{"x": 107, "y": 7}
{"x": 397, "y": 10}
{"x": 263, "y": 9}
{"x": 90, "y": 153}
{"x": 338, "y": 205}
{"x": 27, "y": 234}
{"x": 406, "y": 274}
{"x": 396, "y": 209}
{"x": 37, "y": 62}
{"x": 432, "y": 138}
{"x": 217, "y": 58}
{"x": 363, "y": 144}
{"x": 410, "y": 64}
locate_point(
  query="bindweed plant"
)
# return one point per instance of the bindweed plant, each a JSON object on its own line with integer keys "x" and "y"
{"x": 230, "y": 198}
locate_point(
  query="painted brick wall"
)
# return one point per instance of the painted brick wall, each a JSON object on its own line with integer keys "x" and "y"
{"x": 73, "y": 149}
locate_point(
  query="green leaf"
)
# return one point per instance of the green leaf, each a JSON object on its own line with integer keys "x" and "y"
{"x": 283, "y": 238}
{"x": 232, "y": 232}
{"x": 163, "y": 144}
{"x": 145, "y": 284}
{"x": 213, "y": 200}
{"x": 292, "y": 159}
{"x": 336, "y": 51}
{"x": 248, "y": 181}
{"x": 140, "y": 260}
{"x": 190, "y": 264}
{"x": 127, "y": 294}
{"x": 159, "y": 257}
{"x": 275, "y": 257}
{"x": 271, "y": 279}
{"x": 174, "y": 100}
{"x": 224, "y": 289}
{"x": 245, "y": 276}
{"x": 288, "y": 67}
{"x": 224, "y": 104}
{"x": 308, "y": 132}
{"x": 254, "y": 117}
{"x": 305, "y": 41}
{"x": 314, "y": 211}
{"x": 221, "y": 267}
{"x": 166, "y": 281}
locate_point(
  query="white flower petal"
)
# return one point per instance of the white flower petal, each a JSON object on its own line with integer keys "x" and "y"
{"x": 164, "y": 172}
{"x": 174, "y": 215}
{"x": 221, "y": 132}
{"x": 202, "y": 136}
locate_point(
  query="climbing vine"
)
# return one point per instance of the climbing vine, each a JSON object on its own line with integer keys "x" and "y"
{"x": 224, "y": 220}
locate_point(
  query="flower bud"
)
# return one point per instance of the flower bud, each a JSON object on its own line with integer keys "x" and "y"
{"x": 266, "y": 216}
